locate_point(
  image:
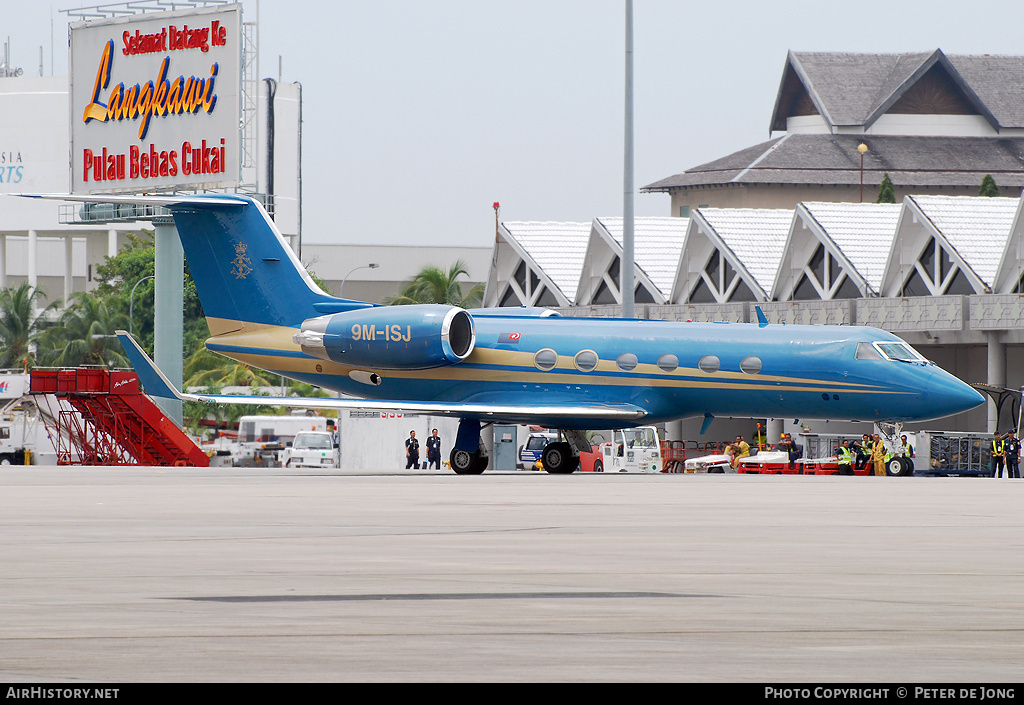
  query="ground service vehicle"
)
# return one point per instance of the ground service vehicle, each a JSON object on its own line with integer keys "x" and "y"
{"x": 519, "y": 365}
{"x": 630, "y": 450}
{"x": 717, "y": 463}
{"x": 263, "y": 439}
{"x": 23, "y": 435}
{"x": 13, "y": 450}
{"x": 530, "y": 452}
{"x": 311, "y": 449}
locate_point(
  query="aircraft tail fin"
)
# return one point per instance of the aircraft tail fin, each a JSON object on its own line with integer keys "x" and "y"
{"x": 244, "y": 270}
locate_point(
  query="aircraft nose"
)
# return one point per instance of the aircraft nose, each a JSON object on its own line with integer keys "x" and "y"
{"x": 953, "y": 396}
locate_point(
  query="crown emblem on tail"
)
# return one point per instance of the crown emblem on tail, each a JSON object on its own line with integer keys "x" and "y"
{"x": 242, "y": 264}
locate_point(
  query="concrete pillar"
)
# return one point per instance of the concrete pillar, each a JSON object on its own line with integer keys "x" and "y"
{"x": 69, "y": 274}
{"x": 996, "y": 375}
{"x": 774, "y": 430}
{"x": 674, "y": 430}
{"x": 168, "y": 314}
{"x": 3, "y": 261}
{"x": 112, "y": 243}
{"x": 33, "y": 271}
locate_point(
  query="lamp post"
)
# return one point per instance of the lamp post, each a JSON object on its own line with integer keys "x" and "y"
{"x": 131, "y": 302}
{"x": 341, "y": 291}
{"x": 862, "y": 148}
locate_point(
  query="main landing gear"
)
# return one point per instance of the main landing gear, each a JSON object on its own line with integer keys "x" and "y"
{"x": 468, "y": 457}
{"x": 563, "y": 457}
{"x": 464, "y": 462}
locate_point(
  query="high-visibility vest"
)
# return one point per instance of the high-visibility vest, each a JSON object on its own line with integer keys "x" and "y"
{"x": 845, "y": 455}
{"x": 999, "y": 447}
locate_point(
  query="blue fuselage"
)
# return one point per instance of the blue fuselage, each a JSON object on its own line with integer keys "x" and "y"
{"x": 669, "y": 369}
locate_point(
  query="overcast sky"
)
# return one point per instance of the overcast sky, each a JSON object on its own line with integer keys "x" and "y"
{"x": 419, "y": 115}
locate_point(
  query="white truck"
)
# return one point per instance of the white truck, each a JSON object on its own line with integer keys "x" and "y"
{"x": 719, "y": 462}
{"x": 23, "y": 436}
{"x": 13, "y": 447}
{"x": 263, "y": 439}
{"x": 630, "y": 450}
{"x": 311, "y": 449}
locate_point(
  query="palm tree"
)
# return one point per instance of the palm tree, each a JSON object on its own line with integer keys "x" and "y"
{"x": 208, "y": 369}
{"x": 434, "y": 285}
{"x": 213, "y": 372}
{"x": 84, "y": 335}
{"x": 20, "y": 323}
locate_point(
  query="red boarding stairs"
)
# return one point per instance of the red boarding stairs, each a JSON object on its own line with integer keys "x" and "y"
{"x": 107, "y": 420}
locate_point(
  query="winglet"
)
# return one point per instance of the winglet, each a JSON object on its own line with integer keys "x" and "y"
{"x": 153, "y": 380}
{"x": 762, "y": 320}
{"x": 708, "y": 418}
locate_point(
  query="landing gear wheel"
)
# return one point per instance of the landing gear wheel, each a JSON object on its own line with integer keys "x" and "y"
{"x": 465, "y": 463}
{"x": 558, "y": 459}
{"x": 899, "y": 467}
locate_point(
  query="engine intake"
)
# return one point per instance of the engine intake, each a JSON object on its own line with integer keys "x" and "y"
{"x": 391, "y": 337}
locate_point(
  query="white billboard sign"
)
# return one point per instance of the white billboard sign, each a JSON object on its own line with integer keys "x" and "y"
{"x": 155, "y": 101}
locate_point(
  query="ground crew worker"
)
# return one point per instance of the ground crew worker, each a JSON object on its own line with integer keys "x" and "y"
{"x": 845, "y": 456}
{"x": 1013, "y": 454}
{"x": 792, "y": 449}
{"x": 738, "y": 449}
{"x": 998, "y": 455}
{"x": 908, "y": 452}
{"x": 412, "y": 451}
{"x": 862, "y": 449}
{"x": 878, "y": 455}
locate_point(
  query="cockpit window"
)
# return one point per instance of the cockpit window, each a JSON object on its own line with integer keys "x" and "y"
{"x": 866, "y": 351}
{"x": 900, "y": 351}
{"x": 888, "y": 350}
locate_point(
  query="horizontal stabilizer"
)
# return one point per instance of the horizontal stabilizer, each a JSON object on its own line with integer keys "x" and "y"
{"x": 169, "y": 200}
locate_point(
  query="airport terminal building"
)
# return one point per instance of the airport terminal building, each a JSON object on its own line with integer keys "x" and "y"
{"x": 790, "y": 225}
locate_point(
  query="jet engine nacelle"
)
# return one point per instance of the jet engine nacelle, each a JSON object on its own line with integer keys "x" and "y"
{"x": 391, "y": 337}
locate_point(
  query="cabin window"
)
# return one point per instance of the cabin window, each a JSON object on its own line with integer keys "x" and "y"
{"x": 709, "y": 364}
{"x": 545, "y": 359}
{"x": 626, "y": 362}
{"x": 751, "y": 365}
{"x": 668, "y": 362}
{"x": 585, "y": 360}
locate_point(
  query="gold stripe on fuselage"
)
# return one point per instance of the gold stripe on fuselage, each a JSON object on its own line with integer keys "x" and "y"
{"x": 509, "y": 366}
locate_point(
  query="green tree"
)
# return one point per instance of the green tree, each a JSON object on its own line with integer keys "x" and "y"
{"x": 205, "y": 368}
{"x": 989, "y": 187}
{"x": 223, "y": 415}
{"x": 21, "y": 323}
{"x": 83, "y": 334}
{"x": 433, "y": 285}
{"x": 117, "y": 278}
{"x": 886, "y": 192}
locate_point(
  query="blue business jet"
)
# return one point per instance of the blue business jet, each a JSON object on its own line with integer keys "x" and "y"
{"x": 523, "y": 365}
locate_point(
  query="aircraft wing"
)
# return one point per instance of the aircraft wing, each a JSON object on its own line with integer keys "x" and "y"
{"x": 156, "y": 384}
